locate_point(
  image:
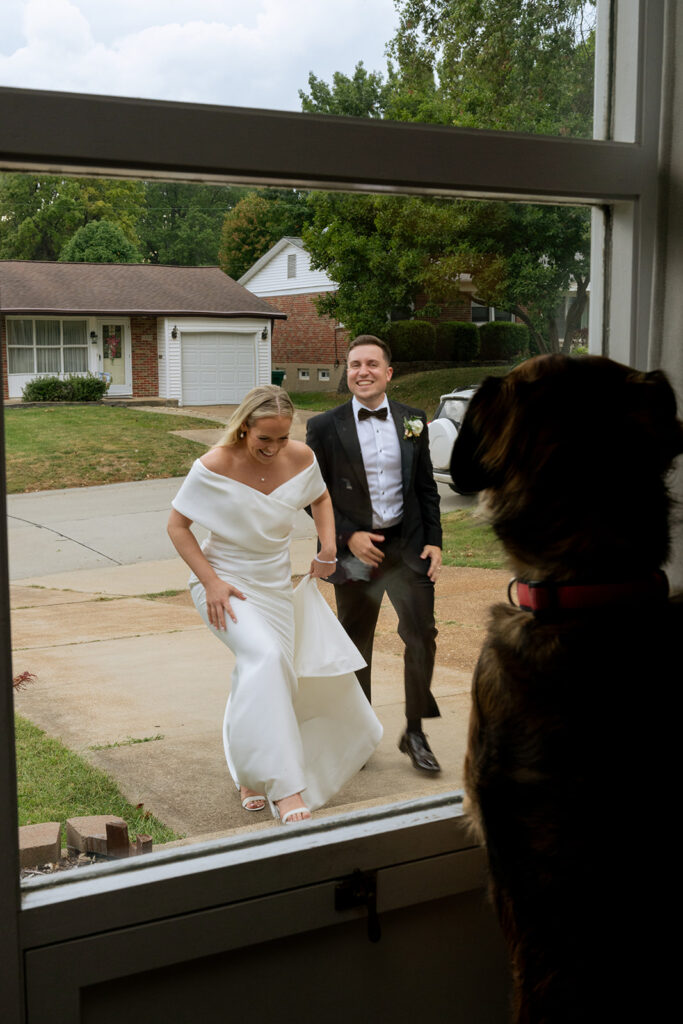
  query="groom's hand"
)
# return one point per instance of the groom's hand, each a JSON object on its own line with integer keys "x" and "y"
{"x": 361, "y": 545}
{"x": 433, "y": 553}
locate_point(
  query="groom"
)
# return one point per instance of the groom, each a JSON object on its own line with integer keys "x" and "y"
{"x": 374, "y": 456}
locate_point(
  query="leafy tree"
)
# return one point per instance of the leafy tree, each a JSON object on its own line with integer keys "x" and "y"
{"x": 39, "y": 213}
{"x": 510, "y": 65}
{"x": 504, "y": 64}
{"x": 364, "y": 95}
{"x": 256, "y": 223}
{"x": 100, "y": 241}
{"x": 180, "y": 224}
{"x": 379, "y": 251}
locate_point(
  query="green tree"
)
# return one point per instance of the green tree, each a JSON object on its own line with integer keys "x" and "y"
{"x": 100, "y": 241}
{"x": 364, "y": 95}
{"x": 477, "y": 63}
{"x": 180, "y": 224}
{"x": 509, "y": 65}
{"x": 39, "y": 213}
{"x": 256, "y": 223}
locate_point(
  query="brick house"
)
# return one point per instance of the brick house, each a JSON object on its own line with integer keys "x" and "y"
{"x": 310, "y": 348}
{"x": 189, "y": 334}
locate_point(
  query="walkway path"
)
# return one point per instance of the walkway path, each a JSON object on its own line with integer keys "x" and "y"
{"x": 102, "y": 617}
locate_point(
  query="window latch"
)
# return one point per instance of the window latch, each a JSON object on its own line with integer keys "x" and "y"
{"x": 360, "y": 890}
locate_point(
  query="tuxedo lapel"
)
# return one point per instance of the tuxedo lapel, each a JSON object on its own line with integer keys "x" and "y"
{"x": 407, "y": 446}
{"x": 348, "y": 438}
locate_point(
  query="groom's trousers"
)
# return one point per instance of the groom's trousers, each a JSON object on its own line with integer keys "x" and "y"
{"x": 411, "y": 592}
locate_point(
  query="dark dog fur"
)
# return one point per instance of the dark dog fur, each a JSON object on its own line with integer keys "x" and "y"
{"x": 570, "y": 760}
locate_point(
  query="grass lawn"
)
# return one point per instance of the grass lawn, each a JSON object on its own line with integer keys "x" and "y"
{"x": 468, "y": 540}
{"x": 54, "y": 784}
{"x": 421, "y": 390}
{"x": 82, "y": 445}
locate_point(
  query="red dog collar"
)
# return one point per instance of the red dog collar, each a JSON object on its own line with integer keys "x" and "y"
{"x": 547, "y": 596}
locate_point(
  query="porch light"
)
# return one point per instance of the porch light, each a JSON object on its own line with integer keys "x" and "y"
{"x": 264, "y": 334}
{"x": 174, "y": 332}
{"x": 93, "y": 337}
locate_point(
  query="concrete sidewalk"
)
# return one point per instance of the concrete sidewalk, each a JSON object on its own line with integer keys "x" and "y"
{"x": 102, "y": 617}
{"x": 112, "y": 664}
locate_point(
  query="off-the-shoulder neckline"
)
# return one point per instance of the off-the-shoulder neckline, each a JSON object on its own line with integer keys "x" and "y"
{"x": 266, "y": 494}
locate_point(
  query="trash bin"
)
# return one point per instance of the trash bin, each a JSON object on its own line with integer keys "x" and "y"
{"x": 277, "y": 377}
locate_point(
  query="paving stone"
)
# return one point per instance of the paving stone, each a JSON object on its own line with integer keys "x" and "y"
{"x": 89, "y": 834}
{"x": 39, "y": 844}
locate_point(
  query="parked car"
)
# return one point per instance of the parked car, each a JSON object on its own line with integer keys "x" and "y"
{"x": 443, "y": 431}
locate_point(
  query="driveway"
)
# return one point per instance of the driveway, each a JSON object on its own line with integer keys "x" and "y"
{"x": 101, "y": 616}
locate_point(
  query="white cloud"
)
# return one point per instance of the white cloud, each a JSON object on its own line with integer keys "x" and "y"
{"x": 211, "y": 51}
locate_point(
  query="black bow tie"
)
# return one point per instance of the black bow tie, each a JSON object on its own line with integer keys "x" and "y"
{"x": 381, "y": 414}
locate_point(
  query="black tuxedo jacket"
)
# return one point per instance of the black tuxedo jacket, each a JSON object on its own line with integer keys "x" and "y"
{"x": 333, "y": 437}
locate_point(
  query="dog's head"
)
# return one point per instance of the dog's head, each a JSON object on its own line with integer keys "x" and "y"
{"x": 573, "y": 454}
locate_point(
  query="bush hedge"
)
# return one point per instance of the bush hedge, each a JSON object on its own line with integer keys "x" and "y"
{"x": 411, "y": 339}
{"x": 501, "y": 340}
{"x": 73, "y": 388}
{"x": 457, "y": 341}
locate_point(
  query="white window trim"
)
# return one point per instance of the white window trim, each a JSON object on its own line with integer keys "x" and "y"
{"x": 50, "y": 132}
{"x": 61, "y": 320}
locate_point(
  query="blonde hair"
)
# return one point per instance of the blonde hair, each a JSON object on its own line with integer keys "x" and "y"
{"x": 265, "y": 400}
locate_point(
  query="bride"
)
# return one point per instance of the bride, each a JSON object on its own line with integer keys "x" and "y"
{"x": 297, "y": 725}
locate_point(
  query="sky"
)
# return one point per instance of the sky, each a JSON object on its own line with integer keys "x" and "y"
{"x": 246, "y": 53}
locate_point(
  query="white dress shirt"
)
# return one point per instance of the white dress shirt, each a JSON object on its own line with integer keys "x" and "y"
{"x": 381, "y": 453}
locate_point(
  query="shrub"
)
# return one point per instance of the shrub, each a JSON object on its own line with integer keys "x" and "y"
{"x": 47, "y": 389}
{"x": 411, "y": 340}
{"x": 88, "y": 388}
{"x": 457, "y": 342}
{"x": 501, "y": 340}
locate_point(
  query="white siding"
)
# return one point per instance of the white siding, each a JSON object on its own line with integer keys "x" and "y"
{"x": 272, "y": 278}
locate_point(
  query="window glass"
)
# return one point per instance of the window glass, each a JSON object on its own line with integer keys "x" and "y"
{"x": 20, "y": 360}
{"x": 74, "y": 332}
{"x": 517, "y": 66}
{"x": 75, "y": 360}
{"x": 48, "y": 360}
{"x": 61, "y": 346}
{"x": 422, "y": 259}
{"x": 47, "y": 332}
{"x": 20, "y": 332}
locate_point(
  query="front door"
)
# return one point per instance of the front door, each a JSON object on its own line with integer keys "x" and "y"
{"x": 116, "y": 356}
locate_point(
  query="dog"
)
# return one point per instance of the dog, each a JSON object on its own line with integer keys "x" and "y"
{"x": 572, "y": 737}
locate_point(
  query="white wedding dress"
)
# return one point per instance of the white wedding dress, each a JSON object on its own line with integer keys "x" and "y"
{"x": 296, "y": 719}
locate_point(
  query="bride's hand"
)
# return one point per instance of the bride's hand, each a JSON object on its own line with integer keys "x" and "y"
{"x": 323, "y": 565}
{"x": 218, "y": 594}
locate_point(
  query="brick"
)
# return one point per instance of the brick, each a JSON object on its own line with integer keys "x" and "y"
{"x": 39, "y": 844}
{"x": 89, "y": 834}
{"x": 117, "y": 840}
{"x": 305, "y": 337}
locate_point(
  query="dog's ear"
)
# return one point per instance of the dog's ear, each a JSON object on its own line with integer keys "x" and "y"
{"x": 484, "y": 414}
{"x": 656, "y": 417}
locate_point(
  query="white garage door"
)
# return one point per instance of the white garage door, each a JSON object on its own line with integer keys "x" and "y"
{"x": 218, "y": 368}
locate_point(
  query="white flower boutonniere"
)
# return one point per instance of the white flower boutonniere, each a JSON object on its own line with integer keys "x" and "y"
{"x": 412, "y": 427}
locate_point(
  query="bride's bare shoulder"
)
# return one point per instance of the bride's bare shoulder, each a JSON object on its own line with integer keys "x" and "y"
{"x": 219, "y": 459}
{"x": 300, "y": 454}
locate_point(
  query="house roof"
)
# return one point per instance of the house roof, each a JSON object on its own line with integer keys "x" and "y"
{"x": 125, "y": 289}
{"x": 267, "y": 256}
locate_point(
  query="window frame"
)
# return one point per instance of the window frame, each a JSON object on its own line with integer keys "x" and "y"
{"x": 49, "y": 132}
{"x": 35, "y": 348}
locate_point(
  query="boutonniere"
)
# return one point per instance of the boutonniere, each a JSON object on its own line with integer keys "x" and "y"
{"x": 412, "y": 427}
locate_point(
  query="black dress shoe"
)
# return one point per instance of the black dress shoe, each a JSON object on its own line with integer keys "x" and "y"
{"x": 415, "y": 745}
